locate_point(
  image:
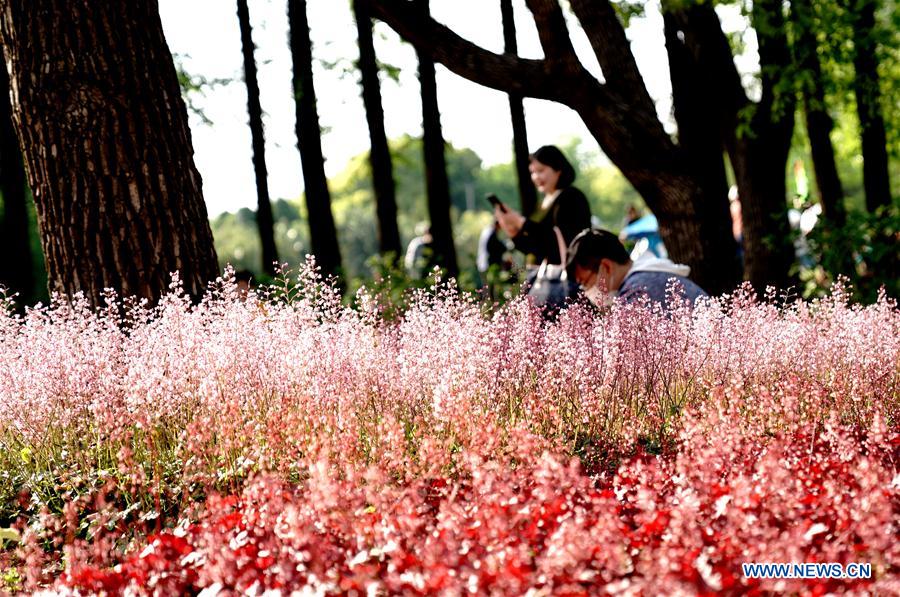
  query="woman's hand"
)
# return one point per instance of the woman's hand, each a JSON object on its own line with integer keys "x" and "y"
{"x": 510, "y": 221}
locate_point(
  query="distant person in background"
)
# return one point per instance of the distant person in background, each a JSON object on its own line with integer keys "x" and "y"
{"x": 802, "y": 219}
{"x": 632, "y": 215}
{"x": 598, "y": 261}
{"x": 563, "y": 208}
{"x": 491, "y": 259}
{"x": 803, "y": 216}
{"x": 244, "y": 280}
{"x": 420, "y": 253}
{"x": 644, "y": 233}
{"x": 737, "y": 220}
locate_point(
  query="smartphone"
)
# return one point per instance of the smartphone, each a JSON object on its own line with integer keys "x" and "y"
{"x": 495, "y": 201}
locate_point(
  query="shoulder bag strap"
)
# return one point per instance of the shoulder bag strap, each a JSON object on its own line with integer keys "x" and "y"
{"x": 563, "y": 252}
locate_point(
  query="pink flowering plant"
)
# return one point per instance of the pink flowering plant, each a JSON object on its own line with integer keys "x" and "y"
{"x": 285, "y": 441}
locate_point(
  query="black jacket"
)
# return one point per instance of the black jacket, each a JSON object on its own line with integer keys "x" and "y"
{"x": 569, "y": 212}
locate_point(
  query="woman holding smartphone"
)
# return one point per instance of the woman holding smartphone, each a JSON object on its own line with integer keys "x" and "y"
{"x": 564, "y": 208}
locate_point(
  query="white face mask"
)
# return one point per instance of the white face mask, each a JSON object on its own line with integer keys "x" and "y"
{"x": 597, "y": 296}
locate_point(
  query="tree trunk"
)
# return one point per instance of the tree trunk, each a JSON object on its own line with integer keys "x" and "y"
{"x": 663, "y": 182}
{"x": 876, "y": 179}
{"x": 704, "y": 155}
{"x": 831, "y": 191}
{"x": 527, "y": 193}
{"x": 107, "y": 148}
{"x": 16, "y": 269}
{"x": 621, "y": 116}
{"x": 436, "y": 183}
{"x": 323, "y": 234}
{"x": 760, "y": 158}
{"x": 818, "y": 121}
{"x": 760, "y": 170}
{"x": 380, "y": 155}
{"x": 264, "y": 207}
{"x": 757, "y": 136}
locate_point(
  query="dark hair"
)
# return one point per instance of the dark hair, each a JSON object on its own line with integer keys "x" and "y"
{"x": 592, "y": 245}
{"x": 550, "y": 155}
{"x": 244, "y": 275}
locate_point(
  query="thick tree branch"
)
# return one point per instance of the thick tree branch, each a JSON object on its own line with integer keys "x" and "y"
{"x": 611, "y": 46}
{"x": 554, "y": 35}
{"x": 533, "y": 78}
{"x": 712, "y": 54}
{"x": 618, "y": 122}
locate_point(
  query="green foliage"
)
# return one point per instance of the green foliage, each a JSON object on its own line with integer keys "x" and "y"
{"x": 390, "y": 71}
{"x": 500, "y": 180}
{"x": 354, "y": 205}
{"x": 835, "y": 22}
{"x": 236, "y": 239}
{"x": 889, "y": 73}
{"x": 39, "y": 268}
{"x": 629, "y": 9}
{"x": 194, "y": 86}
{"x": 39, "y": 291}
{"x": 10, "y": 581}
{"x": 864, "y": 252}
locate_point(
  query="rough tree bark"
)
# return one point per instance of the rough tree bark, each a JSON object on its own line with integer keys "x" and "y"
{"x": 264, "y": 221}
{"x": 756, "y": 135}
{"x": 16, "y": 269}
{"x": 705, "y": 155}
{"x": 622, "y": 117}
{"x": 105, "y": 139}
{"x": 437, "y": 186}
{"x": 867, "y": 88}
{"x": 322, "y": 231}
{"x": 380, "y": 154}
{"x": 527, "y": 193}
{"x": 619, "y": 113}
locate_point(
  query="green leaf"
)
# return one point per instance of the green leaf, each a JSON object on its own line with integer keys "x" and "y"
{"x": 10, "y": 535}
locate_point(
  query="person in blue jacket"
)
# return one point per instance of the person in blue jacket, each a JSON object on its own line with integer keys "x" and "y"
{"x": 598, "y": 261}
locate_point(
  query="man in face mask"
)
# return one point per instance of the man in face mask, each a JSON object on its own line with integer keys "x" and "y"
{"x": 601, "y": 265}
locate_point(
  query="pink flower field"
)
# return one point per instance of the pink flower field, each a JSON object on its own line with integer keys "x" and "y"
{"x": 289, "y": 443}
